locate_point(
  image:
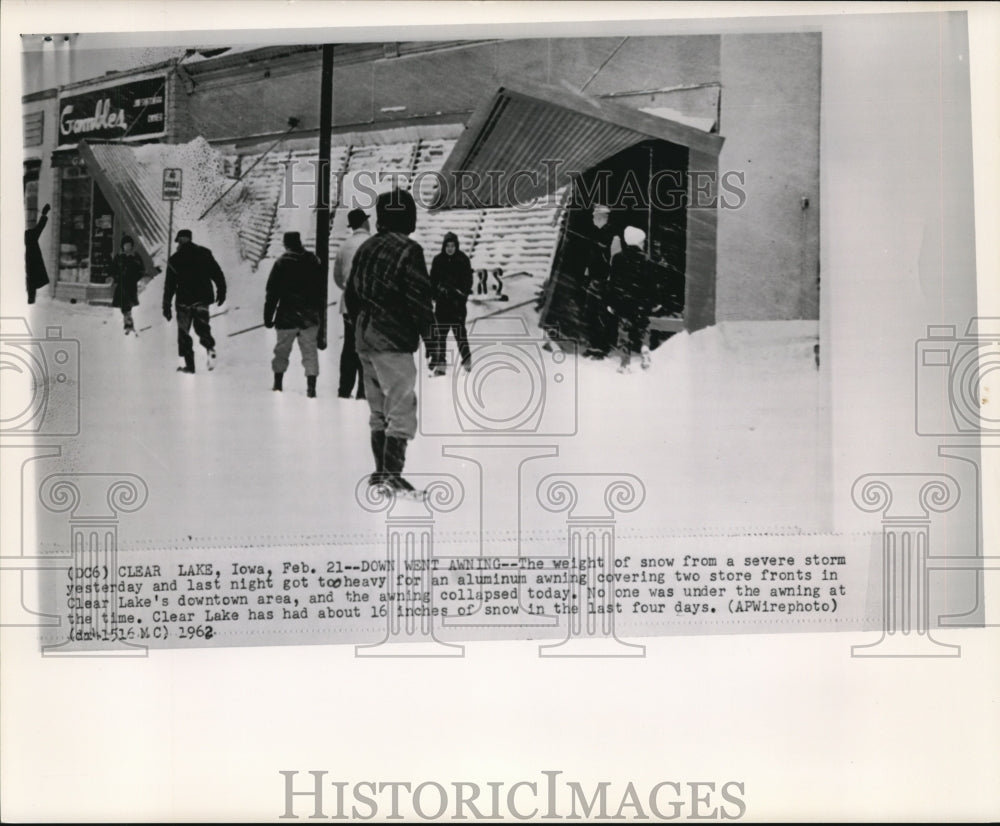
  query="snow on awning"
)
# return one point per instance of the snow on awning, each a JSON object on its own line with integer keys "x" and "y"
{"x": 131, "y": 178}
{"x": 133, "y": 192}
{"x": 705, "y": 124}
{"x": 526, "y": 141}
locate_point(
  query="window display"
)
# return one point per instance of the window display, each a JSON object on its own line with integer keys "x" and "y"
{"x": 74, "y": 225}
{"x": 102, "y": 243}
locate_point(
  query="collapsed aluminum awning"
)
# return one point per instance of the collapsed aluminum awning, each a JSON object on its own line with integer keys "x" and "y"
{"x": 133, "y": 190}
{"x": 527, "y": 141}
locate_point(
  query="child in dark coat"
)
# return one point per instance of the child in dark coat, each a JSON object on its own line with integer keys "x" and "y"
{"x": 451, "y": 282}
{"x": 127, "y": 271}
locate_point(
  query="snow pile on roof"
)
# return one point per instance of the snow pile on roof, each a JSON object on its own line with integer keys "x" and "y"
{"x": 668, "y": 113}
{"x": 364, "y": 165}
{"x": 203, "y": 183}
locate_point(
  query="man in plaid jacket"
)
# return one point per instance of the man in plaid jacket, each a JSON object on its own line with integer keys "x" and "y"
{"x": 389, "y": 298}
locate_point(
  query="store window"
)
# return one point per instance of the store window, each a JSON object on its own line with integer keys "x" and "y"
{"x": 31, "y": 170}
{"x": 34, "y": 129}
{"x": 75, "y": 224}
{"x": 102, "y": 245}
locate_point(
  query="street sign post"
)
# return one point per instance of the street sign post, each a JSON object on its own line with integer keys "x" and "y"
{"x": 173, "y": 179}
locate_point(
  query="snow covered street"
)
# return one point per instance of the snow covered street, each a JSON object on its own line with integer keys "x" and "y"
{"x": 724, "y": 431}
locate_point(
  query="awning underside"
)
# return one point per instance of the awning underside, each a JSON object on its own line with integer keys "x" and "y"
{"x": 524, "y": 145}
{"x": 133, "y": 190}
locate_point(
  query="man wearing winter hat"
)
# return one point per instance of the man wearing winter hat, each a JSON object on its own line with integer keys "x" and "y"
{"x": 191, "y": 272}
{"x": 350, "y": 364}
{"x": 389, "y": 299}
{"x": 294, "y": 303}
{"x": 630, "y": 297}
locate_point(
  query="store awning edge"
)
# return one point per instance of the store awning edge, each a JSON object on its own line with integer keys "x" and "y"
{"x": 115, "y": 198}
{"x": 486, "y": 119}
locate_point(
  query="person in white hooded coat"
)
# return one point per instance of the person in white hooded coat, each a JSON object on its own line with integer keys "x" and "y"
{"x": 631, "y": 287}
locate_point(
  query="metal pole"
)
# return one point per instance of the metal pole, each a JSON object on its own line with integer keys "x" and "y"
{"x": 323, "y": 213}
{"x": 292, "y": 123}
{"x": 170, "y": 235}
{"x": 649, "y": 209}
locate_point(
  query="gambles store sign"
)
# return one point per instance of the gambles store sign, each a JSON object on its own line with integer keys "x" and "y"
{"x": 131, "y": 110}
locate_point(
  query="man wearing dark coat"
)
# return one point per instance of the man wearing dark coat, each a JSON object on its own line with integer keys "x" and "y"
{"x": 294, "y": 303}
{"x": 34, "y": 264}
{"x": 127, "y": 271}
{"x": 599, "y": 238}
{"x": 191, "y": 273}
{"x": 451, "y": 282}
{"x": 574, "y": 303}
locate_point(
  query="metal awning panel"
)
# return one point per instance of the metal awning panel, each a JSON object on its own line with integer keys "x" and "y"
{"x": 525, "y": 142}
{"x": 133, "y": 190}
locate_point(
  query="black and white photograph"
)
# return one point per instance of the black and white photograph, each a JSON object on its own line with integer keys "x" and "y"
{"x": 371, "y": 369}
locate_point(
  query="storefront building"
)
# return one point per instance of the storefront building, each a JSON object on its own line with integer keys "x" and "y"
{"x": 84, "y": 230}
{"x": 39, "y": 118}
{"x": 742, "y": 106}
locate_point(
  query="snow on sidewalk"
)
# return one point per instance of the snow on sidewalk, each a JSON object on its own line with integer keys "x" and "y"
{"x": 724, "y": 430}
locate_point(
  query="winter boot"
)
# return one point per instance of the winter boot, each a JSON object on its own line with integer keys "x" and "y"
{"x": 378, "y": 451}
{"x": 647, "y": 359}
{"x": 394, "y": 458}
{"x": 278, "y": 379}
{"x": 188, "y": 365}
{"x": 311, "y": 387}
{"x": 211, "y": 359}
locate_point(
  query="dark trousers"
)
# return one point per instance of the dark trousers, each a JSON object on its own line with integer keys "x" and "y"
{"x": 633, "y": 334}
{"x": 350, "y": 364}
{"x": 196, "y": 314}
{"x": 449, "y": 322}
{"x": 597, "y": 322}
